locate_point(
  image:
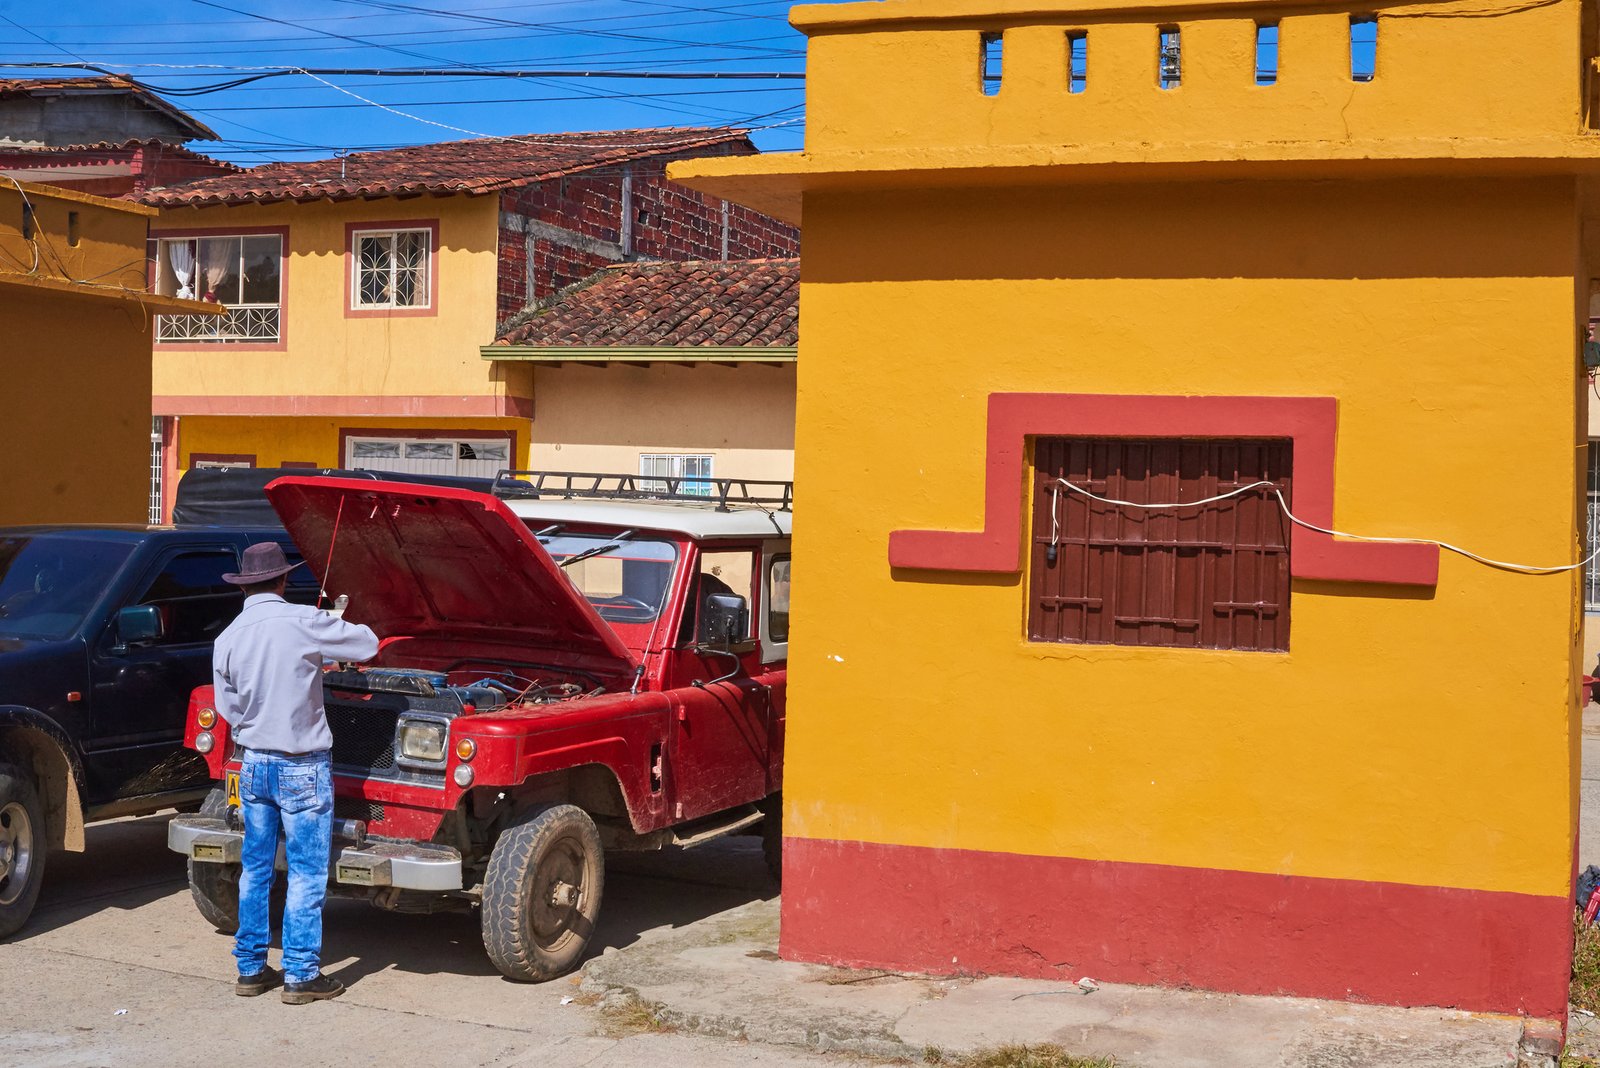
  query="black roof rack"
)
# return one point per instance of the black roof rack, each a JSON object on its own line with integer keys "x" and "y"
{"x": 725, "y": 493}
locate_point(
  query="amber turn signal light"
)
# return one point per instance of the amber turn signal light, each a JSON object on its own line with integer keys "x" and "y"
{"x": 207, "y": 718}
{"x": 466, "y": 748}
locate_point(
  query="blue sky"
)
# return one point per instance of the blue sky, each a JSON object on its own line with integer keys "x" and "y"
{"x": 191, "y": 44}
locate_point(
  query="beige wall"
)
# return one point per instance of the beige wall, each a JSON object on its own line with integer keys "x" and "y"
{"x": 743, "y": 415}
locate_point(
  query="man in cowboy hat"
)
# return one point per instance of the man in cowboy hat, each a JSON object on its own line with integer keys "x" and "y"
{"x": 267, "y": 667}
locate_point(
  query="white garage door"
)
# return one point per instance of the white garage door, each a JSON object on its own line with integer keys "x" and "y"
{"x": 483, "y": 457}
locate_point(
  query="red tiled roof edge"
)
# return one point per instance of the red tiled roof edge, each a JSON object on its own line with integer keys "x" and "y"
{"x": 167, "y": 148}
{"x": 668, "y": 304}
{"x": 277, "y": 182}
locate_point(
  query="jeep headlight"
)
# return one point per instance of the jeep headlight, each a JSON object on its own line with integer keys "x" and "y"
{"x": 423, "y": 742}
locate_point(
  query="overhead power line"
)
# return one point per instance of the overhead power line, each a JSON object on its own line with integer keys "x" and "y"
{"x": 259, "y": 74}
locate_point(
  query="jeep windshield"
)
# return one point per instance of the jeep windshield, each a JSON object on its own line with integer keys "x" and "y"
{"x": 626, "y": 583}
{"x": 48, "y": 582}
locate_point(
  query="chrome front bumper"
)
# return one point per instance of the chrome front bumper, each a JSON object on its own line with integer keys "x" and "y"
{"x": 407, "y": 865}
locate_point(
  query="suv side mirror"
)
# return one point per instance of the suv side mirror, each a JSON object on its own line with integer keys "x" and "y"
{"x": 724, "y": 620}
{"x": 138, "y": 623}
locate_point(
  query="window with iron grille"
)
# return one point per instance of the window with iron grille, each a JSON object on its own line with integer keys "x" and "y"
{"x": 693, "y": 468}
{"x": 1211, "y": 576}
{"x": 1591, "y": 574}
{"x": 243, "y": 272}
{"x": 391, "y": 269}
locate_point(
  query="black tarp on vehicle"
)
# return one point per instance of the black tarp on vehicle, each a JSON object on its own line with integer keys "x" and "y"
{"x": 235, "y": 496}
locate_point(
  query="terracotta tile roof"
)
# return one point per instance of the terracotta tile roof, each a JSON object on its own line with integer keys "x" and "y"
{"x": 730, "y": 303}
{"x": 167, "y": 150}
{"x": 481, "y": 165}
{"x": 102, "y": 84}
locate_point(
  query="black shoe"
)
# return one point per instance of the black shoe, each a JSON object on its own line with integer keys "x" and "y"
{"x": 319, "y": 989}
{"x": 250, "y": 986}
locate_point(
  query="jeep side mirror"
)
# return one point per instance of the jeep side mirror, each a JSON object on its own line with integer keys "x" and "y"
{"x": 724, "y": 620}
{"x": 138, "y": 623}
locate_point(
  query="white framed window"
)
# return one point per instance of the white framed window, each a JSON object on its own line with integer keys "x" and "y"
{"x": 391, "y": 269}
{"x": 242, "y": 271}
{"x": 480, "y": 457}
{"x": 691, "y": 467}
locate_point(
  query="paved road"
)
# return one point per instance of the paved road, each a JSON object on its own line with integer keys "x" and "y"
{"x": 118, "y": 969}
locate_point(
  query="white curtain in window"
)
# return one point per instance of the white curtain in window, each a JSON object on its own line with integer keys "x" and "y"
{"x": 217, "y": 258}
{"x": 180, "y": 257}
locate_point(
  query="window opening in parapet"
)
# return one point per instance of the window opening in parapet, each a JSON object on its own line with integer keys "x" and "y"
{"x": 991, "y": 58}
{"x": 1363, "y": 47}
{"x": 1169, "y": 57}
{"x": 1267, "y": 53}
{"x": 1077, "y": 61}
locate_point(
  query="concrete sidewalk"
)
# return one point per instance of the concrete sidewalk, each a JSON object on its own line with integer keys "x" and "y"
{"x": 722, "y": 976}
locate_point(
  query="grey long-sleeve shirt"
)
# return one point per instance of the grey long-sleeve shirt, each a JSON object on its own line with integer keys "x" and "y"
{"x": 267, "y": 667}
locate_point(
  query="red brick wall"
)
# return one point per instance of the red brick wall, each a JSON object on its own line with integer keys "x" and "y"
{"x": 670, "y": 222}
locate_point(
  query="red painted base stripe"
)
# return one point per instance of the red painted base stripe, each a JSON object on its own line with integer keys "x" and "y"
{"x": 948, "y": 911}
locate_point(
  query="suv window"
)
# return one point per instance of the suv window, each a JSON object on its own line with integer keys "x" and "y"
{"x": 778, "y": 599}
{"x": 196, "y": 604}
{"x": 49, "y": 582}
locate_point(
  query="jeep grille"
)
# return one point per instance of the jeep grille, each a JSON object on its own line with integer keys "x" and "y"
{"x": 363, "y": 736}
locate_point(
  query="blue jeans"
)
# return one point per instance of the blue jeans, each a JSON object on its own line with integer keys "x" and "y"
{"x": 293, "y": 794}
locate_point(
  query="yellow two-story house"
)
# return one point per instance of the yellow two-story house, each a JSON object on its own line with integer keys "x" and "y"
{"x": 360, "y": 291}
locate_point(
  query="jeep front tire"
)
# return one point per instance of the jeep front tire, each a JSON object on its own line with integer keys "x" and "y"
{"x": 541, "y": 893}
{"x": 215, "y": 887}
{"x": 22, "y": 847}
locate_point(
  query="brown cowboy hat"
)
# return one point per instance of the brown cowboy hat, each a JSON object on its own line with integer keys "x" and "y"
{"x": 262, "y": 562}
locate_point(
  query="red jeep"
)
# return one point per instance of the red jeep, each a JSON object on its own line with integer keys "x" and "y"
{"x": 573, "y": 664}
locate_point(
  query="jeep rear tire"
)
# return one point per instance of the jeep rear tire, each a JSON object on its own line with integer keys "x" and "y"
{"x": 541, "y": 893}
{"x": 22, "y": 847}
{"x": 215, "y": 887}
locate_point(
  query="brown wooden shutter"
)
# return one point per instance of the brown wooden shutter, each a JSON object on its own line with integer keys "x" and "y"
{"x": 1214, "y": 576}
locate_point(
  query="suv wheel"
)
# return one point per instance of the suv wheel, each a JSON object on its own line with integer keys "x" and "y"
{"x": 215, "y": 887}
{"x": 541, "y": 894}
{"x": 21, "y": 847}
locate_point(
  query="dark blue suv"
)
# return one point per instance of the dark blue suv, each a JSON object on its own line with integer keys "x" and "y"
{"x": 104, "y": 632}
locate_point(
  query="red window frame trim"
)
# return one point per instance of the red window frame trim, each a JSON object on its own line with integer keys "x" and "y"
{"x": 282, "y": 344}
{"x": 1311, "y": 423}
{"x": 384, "y": 225}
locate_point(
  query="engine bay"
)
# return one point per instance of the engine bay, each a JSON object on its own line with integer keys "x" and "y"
{"x": 451, "y": 693}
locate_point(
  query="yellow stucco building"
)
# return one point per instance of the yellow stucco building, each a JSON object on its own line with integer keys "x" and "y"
{"x": 75, "y": 334}
{"x": 362, "y": 291}
{"x": 1097, "y": 297}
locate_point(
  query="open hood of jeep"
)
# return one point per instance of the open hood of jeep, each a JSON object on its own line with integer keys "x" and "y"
{"x": 443, "y": 563}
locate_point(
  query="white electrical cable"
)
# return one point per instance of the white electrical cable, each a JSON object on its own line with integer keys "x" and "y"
{"x": 1523, "y": 569}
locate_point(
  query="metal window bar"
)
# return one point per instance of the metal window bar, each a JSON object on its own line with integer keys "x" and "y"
{"x": 588, "y": 485}
{"x": 156, "y": 488}
{"x": 1591, "y": 574}
{"x": 241, "y": 322}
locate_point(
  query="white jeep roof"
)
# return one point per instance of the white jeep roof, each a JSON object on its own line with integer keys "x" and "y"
{"x": 681, "y": 517}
